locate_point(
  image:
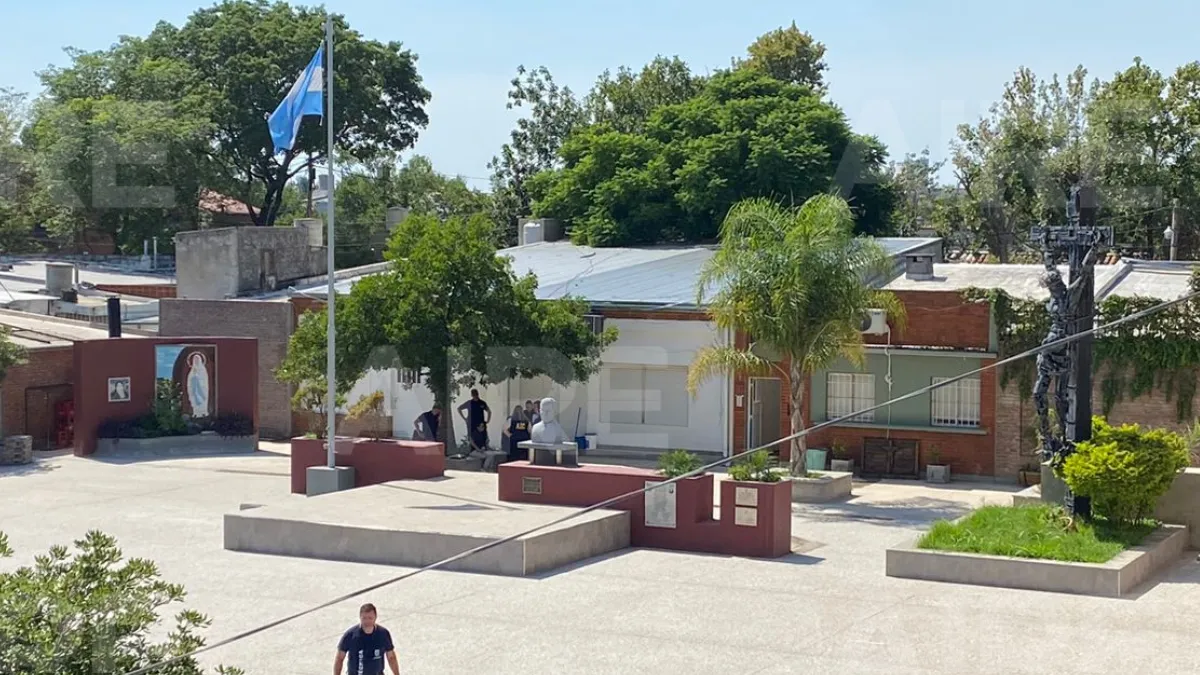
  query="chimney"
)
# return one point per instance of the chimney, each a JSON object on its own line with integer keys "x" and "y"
{"x": 918, "y": 267}
{"x": 114, "y": 317}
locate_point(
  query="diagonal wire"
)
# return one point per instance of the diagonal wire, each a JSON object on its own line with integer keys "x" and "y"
{"x": 1047, "y": 346}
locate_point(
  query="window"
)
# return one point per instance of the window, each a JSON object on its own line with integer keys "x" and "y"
{"x": 409, "y": 377}
{"x": 848, "y": 393}
{"x": 645, "y": 396}
{"x": 955, "y": 404}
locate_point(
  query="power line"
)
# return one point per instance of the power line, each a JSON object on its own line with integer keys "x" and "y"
{"x": 615, "y": 500}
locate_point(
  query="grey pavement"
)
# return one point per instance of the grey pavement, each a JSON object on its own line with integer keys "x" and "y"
{"x": 829, "y": 609}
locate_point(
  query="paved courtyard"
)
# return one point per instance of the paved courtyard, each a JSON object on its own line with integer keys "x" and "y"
{"x": 829, "y": 610}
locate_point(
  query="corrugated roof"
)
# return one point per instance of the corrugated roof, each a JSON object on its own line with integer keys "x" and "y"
{"x": 656, "y": 275}
{"x": 29, "y": 276}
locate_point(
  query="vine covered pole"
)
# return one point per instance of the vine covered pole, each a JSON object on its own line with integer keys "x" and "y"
{"x": 1083, "y": 268}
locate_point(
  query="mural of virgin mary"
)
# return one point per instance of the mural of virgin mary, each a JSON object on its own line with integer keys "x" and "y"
{"x": 197, "y": 385}
{"x": 193, "y": 369}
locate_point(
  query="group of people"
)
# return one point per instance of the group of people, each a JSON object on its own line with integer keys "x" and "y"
{"x": 476, "y": 413}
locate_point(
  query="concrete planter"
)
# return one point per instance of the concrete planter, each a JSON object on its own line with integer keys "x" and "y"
{"x": 937, "y": 473}
{"x": 374, "y": 461}
{"x": 179, "y": 446}
{"x": 16, "y": 450}
{"x": 841, "y": 465}
{"x": 828, "y": 487}
{"x": 1115, "y": 578}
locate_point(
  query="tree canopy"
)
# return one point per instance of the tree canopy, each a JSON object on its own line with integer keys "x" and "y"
{"x": 796, "y": 282}
{"x": 192, "y": 100}
{"x": 745, "y": 135}
{"x": 789, "y": 55}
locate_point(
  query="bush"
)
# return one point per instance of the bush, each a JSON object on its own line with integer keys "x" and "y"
{"x": 91, "y": 613}
{"x": 1124, "y": 470}
{"x": 755, "y": 467}
{"x": 677, "y": 463}
{"x": 370, "y": 409}
{"x": 230, "y": 425}
{"x": 168, "y": 409}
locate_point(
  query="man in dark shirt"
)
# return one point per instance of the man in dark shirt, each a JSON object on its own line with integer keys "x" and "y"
{"x": 478, "y": 415}
{"x": 367, "y": 644}
{"x": 425, "y": 427}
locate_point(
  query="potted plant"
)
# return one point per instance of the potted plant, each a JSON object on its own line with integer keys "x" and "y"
{"x": 935, "y": 471}
{"x": 841, "y": 458}
{"x": 677, "y": 463}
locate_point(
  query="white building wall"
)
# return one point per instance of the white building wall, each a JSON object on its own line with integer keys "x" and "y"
{"x": 657, "y": 413}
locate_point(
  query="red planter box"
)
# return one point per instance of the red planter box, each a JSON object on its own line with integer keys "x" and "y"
{"x": 373, "y": 461}
{"x": 695, "y": 528}
{"x": 771, "y": 534}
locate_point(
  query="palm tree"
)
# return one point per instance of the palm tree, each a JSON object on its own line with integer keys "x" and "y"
{"x": 797, "y": 283}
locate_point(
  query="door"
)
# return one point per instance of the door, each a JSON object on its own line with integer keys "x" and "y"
{"x": 764, "y": 412}
{"x": 45, "y": 420}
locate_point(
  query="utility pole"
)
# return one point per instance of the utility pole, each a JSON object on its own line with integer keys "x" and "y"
{"x": 1077, "y": 239}
{"x": 312, "y": 185}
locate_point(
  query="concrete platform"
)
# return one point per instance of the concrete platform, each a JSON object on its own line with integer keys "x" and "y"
{"x": 419, "y": 522}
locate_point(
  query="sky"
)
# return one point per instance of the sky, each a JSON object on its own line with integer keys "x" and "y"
{"x": 908, "y": 71}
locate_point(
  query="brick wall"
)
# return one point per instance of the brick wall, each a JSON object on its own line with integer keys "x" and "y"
{"x": 940, "y": 319}
{"x": 140, "y": 290}
{"x": 1016, "y": 444}
{"x": 45, "y": 366}
{"x": 270, "y": 322}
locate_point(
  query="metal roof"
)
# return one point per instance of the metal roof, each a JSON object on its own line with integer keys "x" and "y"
{"x": 1165, "y": 281}
{"x": 659, "y": 276}
{"x": 37, "y": 330}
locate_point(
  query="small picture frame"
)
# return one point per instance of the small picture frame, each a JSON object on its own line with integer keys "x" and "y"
{"x": 118, "y": 389}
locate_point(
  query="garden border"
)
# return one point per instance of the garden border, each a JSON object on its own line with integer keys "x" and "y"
{"x": 1114, "y": 579}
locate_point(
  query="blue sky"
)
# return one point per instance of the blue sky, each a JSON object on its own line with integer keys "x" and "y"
{"x": 906, "y": 70}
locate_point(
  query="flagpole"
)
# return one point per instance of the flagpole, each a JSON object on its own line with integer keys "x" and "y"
{"x": 330, "y": 362}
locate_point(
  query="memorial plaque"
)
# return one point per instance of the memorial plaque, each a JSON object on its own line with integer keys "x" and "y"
{"x": 745, "y": 496}
{"x": 745, "y": 516}
{"x": 660, "y": 505}
{"x": 531, "y": 485}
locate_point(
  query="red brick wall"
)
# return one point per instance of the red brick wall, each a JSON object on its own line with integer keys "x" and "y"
{"x": 940, "y": 319}
{"x": 140, "y": 290}
{"x": 97, "y": 360}
{"x": 1016, "y": 444}
{"x": 45, "y": 366}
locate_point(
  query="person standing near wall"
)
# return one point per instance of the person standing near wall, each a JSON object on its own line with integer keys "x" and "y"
{"x": 478, "y": 416}
{"x": 516, "y": 432}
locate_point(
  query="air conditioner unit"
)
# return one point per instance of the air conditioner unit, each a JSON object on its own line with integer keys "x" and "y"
{"x": 595, "y": 322}
{"x": 874, "y": 322}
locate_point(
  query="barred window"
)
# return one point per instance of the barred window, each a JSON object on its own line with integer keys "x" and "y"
{"x": 955, "y": 404}
{"x": 847, "y": 394}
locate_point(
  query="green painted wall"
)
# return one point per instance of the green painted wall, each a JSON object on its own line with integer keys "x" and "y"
{"x": 909, "y": 372}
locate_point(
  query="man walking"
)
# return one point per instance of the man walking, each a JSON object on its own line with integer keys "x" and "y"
{"x": 367, "y": 644}
{"x": 478, "y": 416}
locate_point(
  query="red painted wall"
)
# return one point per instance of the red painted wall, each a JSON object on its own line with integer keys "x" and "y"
{"x": 98, "y": 360}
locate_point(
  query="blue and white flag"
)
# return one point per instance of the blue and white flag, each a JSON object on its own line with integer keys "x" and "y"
{"x": 306, "y": 97}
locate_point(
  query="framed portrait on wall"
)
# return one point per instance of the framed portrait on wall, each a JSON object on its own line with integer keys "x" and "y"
{"x": 118, "y": 389}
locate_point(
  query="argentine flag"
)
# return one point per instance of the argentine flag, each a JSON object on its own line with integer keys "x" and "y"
{"x": 306, "y": 97}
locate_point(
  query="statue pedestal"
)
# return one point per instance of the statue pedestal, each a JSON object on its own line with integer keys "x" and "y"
{"x": 1054, "y": 489}
{"x": 551, "y": 454}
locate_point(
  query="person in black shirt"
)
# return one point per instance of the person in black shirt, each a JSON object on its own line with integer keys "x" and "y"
{"x": 517, "y": 431}
{"x": 425, "y": 427}
{"x": 478, "y": 415}
{"x": 367, "y": 645}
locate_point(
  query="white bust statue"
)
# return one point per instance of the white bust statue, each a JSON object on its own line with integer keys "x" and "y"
{"x": 549, "y": 430}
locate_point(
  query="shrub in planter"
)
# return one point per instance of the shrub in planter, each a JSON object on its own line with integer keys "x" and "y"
{"x": 1125, "y": 469}
{"x": 370, "y": 409}
{"x": 841, "y": 458}
{"x": 677, "y": 463}
{"x": 230, "y": 425}
{"x": 168, "y": 409}
{"x": 755, "y": 467}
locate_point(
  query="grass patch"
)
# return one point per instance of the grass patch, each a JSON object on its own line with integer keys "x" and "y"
{"x": 1040, "y": 532}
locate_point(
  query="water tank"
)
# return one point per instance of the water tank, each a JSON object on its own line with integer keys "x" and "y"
{"x": 531, "y": 232}
{"x": 60, "y": 277}
{"x": 395, "y": 215}
{"x": 315, "y": 228}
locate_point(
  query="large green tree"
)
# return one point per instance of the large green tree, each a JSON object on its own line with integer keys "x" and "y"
{"x": 229, "y": 66}
{"x": 92, "y": 612}
{"x": 788, "y": 54}
{"x": 18, "y": 177}
{"x": 745, "y": 135}
{"x": 796, "y": 282}
{"x": 455, "y": 312}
